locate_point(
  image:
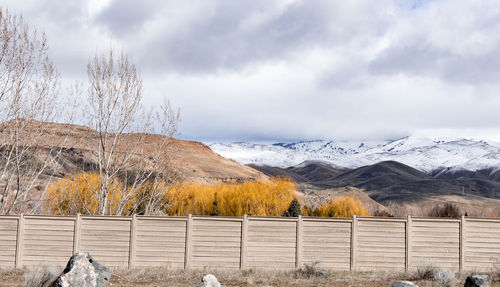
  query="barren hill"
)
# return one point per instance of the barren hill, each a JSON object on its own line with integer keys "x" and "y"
{"x": 77, "y": 144}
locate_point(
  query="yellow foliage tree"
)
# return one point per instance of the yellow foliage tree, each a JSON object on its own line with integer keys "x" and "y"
{"x": 260, "y": 198}
{"x": 78, "y": 194}
{"x": 149, "y": 198}
{"x": 346, "y": 206}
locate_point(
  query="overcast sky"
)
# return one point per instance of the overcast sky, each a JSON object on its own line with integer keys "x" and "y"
{"x": 264, "y": 70}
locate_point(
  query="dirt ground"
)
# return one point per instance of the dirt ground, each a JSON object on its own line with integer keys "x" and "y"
{"x": 247, "y": 278}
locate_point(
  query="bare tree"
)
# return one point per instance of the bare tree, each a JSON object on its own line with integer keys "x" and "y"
{"x": 116, "y": 113}
{"x": 151, "y": 201}
{"x": 31, "y": 146}
{"x": 28, "y": 97}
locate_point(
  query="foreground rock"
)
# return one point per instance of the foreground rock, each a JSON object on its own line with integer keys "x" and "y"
{"x": 209, "y": 280}
{"x": 481, "y": 280}
{"x": 83, "y": 271}
{"x": 403, "y": 284}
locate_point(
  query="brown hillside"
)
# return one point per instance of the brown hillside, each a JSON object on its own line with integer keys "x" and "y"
{"x": 191, "y": 160}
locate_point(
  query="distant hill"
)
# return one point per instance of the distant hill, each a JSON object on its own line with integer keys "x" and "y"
{"x": 393, "y": 182}
{"x": 376, "y": 176}
{"x": 314, "y": 171}
{"x": 310, "y": 171}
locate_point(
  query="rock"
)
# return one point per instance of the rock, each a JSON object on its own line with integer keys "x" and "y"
{"x": 403, "y": 284}
{"x": 482, "y": 280}
{"x": 209, "y": 280}
{"x": 83, "y": 271}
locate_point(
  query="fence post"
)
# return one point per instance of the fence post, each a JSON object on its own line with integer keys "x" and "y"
{"x": 76, "y": 234}
{"x": 244, "y": 239}
{"x": 462, "y": 244}
{"x": 408, "y": 243}
{"x": 353, "y": 242}
{"x": 19, "y": 243}
{"x": 132, "y": 243}
{"x": 189, "y": 230}
{"x": 298, "y": 246}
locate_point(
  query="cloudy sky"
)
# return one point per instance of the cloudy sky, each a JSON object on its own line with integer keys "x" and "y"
{"x": 280, "y": 70}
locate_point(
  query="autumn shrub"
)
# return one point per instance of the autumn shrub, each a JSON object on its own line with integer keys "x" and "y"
{"x": 307, "y": 211}
{"x": 192, "y": 197}
{"x": 346, "y": 206}
{"x": 79, "y": 194}
{"x": 260, "y": 198}
{"x": 149, "y": 199}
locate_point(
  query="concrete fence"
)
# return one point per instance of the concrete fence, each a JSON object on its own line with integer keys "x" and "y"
{"x": 358, "y": 243}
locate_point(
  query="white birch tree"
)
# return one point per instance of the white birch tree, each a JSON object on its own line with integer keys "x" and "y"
{"x": 114, "y": 110}
{"x": 28, "y": 97}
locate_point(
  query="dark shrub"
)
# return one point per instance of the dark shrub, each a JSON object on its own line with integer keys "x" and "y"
{"x": 446, "y": 210}
{"x": 382, "y": 213}
{"x": 293, "y": 209}
{"x": 215, "y": 203}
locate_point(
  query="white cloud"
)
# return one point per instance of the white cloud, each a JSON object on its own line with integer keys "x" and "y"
{"x": 296, "y": 69}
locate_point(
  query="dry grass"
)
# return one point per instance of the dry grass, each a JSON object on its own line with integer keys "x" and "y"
{"x": 246, "y": 278}
{"x": 308, "y": 276}
{"x": 10, "y": 277}
{"x": 312, "y": 270}
{"x": 431, "y": 271}
{"x": 250, "y": 278}
{"x": 41, "y": 277}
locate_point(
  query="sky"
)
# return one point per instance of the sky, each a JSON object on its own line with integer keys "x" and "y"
{"x": 285, "y": 70}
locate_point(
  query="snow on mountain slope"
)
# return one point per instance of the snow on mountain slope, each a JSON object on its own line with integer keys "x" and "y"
{"x": 419, "y": 152}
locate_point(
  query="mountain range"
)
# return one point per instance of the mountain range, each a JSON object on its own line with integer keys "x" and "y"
{"x": 424, "y": 154}
{"x": 412, "y": 173}
{"x": 391, "y": 181}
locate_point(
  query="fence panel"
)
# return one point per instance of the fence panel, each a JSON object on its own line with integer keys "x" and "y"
{"x": 160, "y": 242}
{"x": 435, "y": 241}
{"x": 381, "y": 244}
{"x": 8, "y": 241}
{"x": 482, "y": 244}
{"x": 328, "y": 242}
{"x": 47, "y": 240}
{"x": 271, "y": 243}
{"x": 107, "y": 239}
{"x": 216, "y": 242}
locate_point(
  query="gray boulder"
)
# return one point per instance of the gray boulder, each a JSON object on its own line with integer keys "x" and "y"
{"x": 83, "y": 271}
{"x": 478, "y": 280}
{"x": 403, "y": 284}
{"x": 209, "y": 280}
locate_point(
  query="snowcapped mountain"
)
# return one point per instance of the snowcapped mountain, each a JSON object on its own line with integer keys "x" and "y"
{"x": 419, "y": 152}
